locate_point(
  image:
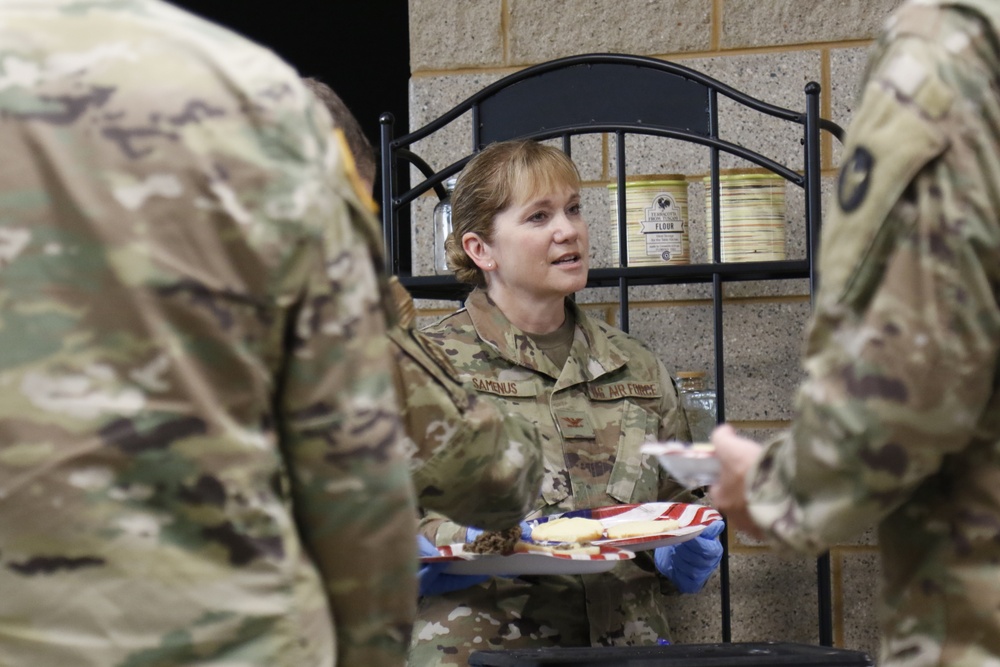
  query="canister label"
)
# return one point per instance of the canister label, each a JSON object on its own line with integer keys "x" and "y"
{"x": 752, "y": 207}
{"x": 655, "y": 218}
{"x": 664, "y": 231}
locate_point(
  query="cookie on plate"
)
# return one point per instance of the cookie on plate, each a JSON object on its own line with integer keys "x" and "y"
{"x": 568, "y": 529}
{"x": 626, "y": 529}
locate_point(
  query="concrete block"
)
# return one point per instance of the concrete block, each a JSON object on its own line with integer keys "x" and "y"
{"x": 431, "y": 97}
{"x": 846, "y": 70}
{"x": 697, "y": 619}
{"x": 422, "y": 235}
{"x": 752, "y": 23}
{"x": 542, "y": 30}
{"x": 452, "y": 34}
{"x": 762, "y": 347}
{"x": 773, "y": 598}
{"x": 681, "y": 336}
{"x": 858, "y": 614}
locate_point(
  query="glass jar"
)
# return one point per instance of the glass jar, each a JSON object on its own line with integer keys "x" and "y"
{"x": 442, "y": 227}
{"x": 698, "y": 403}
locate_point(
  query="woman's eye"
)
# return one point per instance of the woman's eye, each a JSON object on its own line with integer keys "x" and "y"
{"x": 574, "y": 209}
{"x": 538, "y": 216}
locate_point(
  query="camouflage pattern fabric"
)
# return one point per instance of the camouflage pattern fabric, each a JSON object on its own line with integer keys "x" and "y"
{"x": 898, "y": 422}
{"x": 200, "y": 452}
{"x": 469, "y": 458}
{"x": 610, "y": 397}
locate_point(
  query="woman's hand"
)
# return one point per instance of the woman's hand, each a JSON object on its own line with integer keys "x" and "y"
{"x": 688, "y": 565}
{"x": 433, "y": 580}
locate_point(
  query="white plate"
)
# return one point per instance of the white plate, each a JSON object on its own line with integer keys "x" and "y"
{"x": 692, "y": 520}
{"x": 463, "y": 562}
{"x": 693, "y": 466}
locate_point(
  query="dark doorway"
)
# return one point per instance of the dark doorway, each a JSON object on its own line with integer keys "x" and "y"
{"x": 359, "y": 47}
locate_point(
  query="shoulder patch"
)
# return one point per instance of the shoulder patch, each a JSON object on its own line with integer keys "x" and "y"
{"x": 854, "y": 179}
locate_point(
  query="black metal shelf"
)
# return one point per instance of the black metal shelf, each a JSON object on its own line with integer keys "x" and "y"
{"x": 445, "y": 287}
{"x": 621, "y": 95}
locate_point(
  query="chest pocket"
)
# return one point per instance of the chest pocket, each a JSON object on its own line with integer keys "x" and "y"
{"x": 634, "y": 478}
{"x": 521, "y": 397}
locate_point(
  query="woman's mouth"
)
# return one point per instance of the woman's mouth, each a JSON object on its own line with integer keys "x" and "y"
{"x": 567, "y": 259}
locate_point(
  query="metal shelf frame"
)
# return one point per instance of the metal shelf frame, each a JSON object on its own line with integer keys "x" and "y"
{"x": 621, "y": 95}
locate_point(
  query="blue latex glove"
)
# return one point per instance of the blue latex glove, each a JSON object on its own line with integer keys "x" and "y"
{"x": 433, "y": 580}
{"x": 689, "y": 564}
{"x": 472, "y": 533}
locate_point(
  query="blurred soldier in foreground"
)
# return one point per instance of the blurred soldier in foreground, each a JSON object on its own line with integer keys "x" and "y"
{"x": 898, "y": 422}
{"x": 469, "y": 458}
{"x": 200, "y": 449}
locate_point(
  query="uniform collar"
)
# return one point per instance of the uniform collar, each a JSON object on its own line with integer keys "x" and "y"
{"x": 594, "y": 353}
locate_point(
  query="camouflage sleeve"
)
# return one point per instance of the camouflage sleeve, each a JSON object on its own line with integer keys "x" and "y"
{"x": 343, "y": 439}
{"x": 902, "y": 349}
{"x": 470, "y": 460}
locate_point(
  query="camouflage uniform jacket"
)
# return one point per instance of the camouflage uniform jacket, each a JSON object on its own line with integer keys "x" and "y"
{"x": 610, "y": 397}
{"x": 200, "y": 454}
{"x": 470, "y": 459}
{"x": 898, "y": 421}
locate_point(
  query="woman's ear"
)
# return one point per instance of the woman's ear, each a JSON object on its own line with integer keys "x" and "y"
{"x": 478, "y": 251}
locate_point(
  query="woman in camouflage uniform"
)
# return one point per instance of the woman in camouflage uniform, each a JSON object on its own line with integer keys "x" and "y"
{"x": 595, "y": 393}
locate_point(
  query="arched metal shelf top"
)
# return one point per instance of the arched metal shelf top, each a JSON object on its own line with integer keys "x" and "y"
{"x": 596, "y": 59}
{"x": 584, "y": 94}
{"x": 434, "y": 179}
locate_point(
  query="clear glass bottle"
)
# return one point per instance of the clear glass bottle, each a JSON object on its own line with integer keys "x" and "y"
{"x": 698, "y": 403}
{"x": 442, "y": 227}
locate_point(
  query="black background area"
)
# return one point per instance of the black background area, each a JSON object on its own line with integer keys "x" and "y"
{"x": 359, "y": 47}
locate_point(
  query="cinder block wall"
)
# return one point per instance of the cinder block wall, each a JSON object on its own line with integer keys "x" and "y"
{"x": 768, "y": 49}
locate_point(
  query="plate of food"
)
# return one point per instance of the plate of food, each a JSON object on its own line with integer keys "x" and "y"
{"x": 636, "y": 527}
{"x": 505, "y": 554}
{"x": 693, "y": 466}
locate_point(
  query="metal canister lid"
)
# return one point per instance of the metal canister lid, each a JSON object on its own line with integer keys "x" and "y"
{"x": 651, "y": 179}
{"x": 736, "y": 174}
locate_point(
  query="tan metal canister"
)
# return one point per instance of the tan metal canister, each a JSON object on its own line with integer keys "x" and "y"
{"x": 752, "y": 208}
{"x": 656, "y": 219}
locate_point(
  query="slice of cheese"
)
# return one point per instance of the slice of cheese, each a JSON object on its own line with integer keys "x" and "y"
{"x": 641, "y": 528}
{"x": 573, "y": 529}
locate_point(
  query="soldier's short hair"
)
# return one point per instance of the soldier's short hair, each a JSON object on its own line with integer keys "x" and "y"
{"x": 499, "y": 176}
{"x": 361, "y": 148}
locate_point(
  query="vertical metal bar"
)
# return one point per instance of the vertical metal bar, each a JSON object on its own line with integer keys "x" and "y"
{"x": 622, "y": 231}
{"x": 814, "y": 214}
{"x": 814, "y": 209}
{"x": 720, "y": 382}
{"x": 386, "y": 121}
{"x": 567, "y": 147}
{"x": 476, "y": 128}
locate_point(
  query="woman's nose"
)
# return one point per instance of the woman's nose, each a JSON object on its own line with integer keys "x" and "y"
{"x": 567, "y": 229}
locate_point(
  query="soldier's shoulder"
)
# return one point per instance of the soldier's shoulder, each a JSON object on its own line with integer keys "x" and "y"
{"x": 455, "y": 335}
{"x": 458, "y": 323}
{"x": 624, "y": 341}
{"x": 610, "y": 343}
